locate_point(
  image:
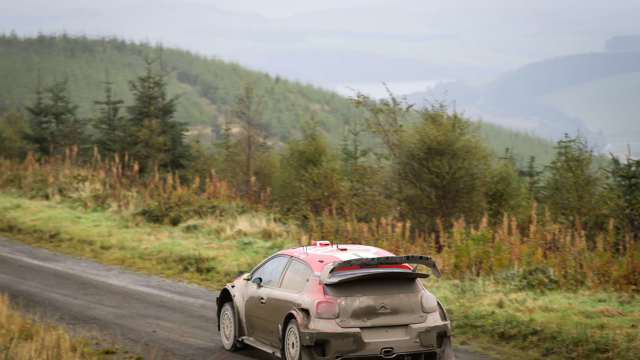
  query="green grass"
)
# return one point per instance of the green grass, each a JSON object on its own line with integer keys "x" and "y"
{"x": 490, "y": 315}
{"x": 535, "y": 325}
{"x": 209, "y": 252}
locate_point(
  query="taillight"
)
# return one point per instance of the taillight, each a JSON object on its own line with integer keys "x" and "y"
{"x": 327, "y": 309}
{"x": 429, "y": 303}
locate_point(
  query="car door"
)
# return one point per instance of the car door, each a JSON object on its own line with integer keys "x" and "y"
{"x": 258, "y": 295}
{"x": 284, "y": 298}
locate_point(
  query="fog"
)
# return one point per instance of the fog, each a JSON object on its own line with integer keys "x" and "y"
{"x": 337, "y": 43}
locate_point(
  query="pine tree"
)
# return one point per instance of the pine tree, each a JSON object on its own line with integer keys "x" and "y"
{"x": 625, "y": 187}
{"x": 41, "y": 124}
{"x": 111, "y": 127}
{"x": 248, "y": 111}
{"x": 54, "y": 123}
{"x": 157, "y": 139}
{"x": 533, "y": 176}
{"x": 506, "y": 190}
{"x": 353, "y": 151}
{"x": 571, "y": 190}
{"x": 227, "y": 154}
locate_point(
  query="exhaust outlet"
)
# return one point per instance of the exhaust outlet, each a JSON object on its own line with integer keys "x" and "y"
{"x": 387, "y": 353}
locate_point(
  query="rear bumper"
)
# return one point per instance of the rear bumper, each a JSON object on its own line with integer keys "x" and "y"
{"x": 428, "y": 341}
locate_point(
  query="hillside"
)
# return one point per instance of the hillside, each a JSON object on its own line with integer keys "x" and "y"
{"x": 594, "y": 94}
{"x": 609, "y": 106}
{"x": 207, "y": 86}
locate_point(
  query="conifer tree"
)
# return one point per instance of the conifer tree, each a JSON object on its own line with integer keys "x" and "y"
{"x": 533, "y": 176}
{"x": 41, "y": 124}
{"x": 248, "y": 111}
{"x": 112, "y": 128}
{"x": 55, "y": 125}
{"x": 157, "y": 139}
{"x": 571, "y": 190}
{"x": 625, "y": 188}
{"x": 506, "y": 191}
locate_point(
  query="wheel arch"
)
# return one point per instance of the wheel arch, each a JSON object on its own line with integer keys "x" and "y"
{"x": 300, "y": 315}
{"x": 224, "y": 297}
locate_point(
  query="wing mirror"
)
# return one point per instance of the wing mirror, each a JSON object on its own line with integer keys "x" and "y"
{"x": 257, "y": 281}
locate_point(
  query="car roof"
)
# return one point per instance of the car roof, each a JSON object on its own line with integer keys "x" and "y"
{"x": 319, "y": 256}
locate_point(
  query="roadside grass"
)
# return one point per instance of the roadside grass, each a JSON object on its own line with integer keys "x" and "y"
{"x": 495, "y": 315}
{"x": 209, "y": 251}
{"x": 22, "y": 338}
{"x": 542, "y": 325}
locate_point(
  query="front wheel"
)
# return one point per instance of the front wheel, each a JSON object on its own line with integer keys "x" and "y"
{"x": 228, "y": 327}
{"x": 293, "y": 349}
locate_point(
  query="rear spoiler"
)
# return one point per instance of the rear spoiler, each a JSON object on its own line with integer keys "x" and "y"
{"x": 385, "y": 260}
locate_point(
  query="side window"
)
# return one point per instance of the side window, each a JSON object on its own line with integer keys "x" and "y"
{"x": 296, "y": 276}
{"x": 270, "y": 272}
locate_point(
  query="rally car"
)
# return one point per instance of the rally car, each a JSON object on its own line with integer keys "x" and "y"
{"x": 347, "y": 302}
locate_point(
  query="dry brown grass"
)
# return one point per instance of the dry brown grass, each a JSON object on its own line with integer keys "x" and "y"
{"x": 22, "y": 338}
{"x": 574, "y": 258}
{"x": 558, "y": 253}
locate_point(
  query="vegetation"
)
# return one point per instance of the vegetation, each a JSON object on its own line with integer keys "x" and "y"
{"x": 541, "y": 325}
{"x": 208, "y": 251}
{"x": 24, "y": 339}
{"x": 208, "y": 88}
{"x": 522, "y": 309}
{"x": 129, "y": 188}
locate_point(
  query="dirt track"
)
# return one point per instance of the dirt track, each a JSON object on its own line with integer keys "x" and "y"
{"x": 155, "y": 317}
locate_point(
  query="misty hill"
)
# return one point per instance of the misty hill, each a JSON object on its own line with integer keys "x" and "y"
{"x": 623, "y": 43}
{"x": 595, "y": 94}
{"x": 207, "y": 87}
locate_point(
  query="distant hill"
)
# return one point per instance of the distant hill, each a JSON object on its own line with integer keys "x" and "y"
{"x": 207, "y": 87}
{"x": 623, "y": 43}
{"x": 595, "y": 94}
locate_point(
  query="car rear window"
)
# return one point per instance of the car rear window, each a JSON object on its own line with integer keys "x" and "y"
{"x": 296, "y": 276}
{"x": 373, "y": 287}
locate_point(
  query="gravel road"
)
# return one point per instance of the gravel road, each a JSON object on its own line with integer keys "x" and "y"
{"x": 158, "y": 318}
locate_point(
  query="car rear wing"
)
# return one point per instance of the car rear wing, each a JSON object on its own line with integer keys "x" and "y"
{"x": 375, "y": 263}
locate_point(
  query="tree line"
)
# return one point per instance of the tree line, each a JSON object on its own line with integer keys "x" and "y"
{"x": 425, "y": 166}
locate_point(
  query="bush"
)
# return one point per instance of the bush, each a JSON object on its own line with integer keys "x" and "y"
{"x": 536, "y": 278}
{"x": 175, "y": 210}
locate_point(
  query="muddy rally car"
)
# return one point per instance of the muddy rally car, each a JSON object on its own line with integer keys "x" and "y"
{"x": 347, "y": 302}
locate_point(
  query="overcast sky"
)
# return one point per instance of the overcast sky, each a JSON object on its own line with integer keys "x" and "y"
{"x": 333, "y": 42}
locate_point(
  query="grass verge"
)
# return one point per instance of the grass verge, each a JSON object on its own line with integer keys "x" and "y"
{"x": 525, "y": 324}
{"x": 542, "y": 325}
{"x": 208, "y": 252}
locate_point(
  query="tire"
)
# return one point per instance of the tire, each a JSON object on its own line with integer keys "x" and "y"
{"x": 292, "y": 348}
{"x": 229, "y": 327}
{"x": 447, "y": 352}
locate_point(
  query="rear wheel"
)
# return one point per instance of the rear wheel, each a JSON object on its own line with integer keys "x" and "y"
{"x": 447, "y": 352}
{"x": 228, "y": 327}
{"x": 292, "y": 347}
